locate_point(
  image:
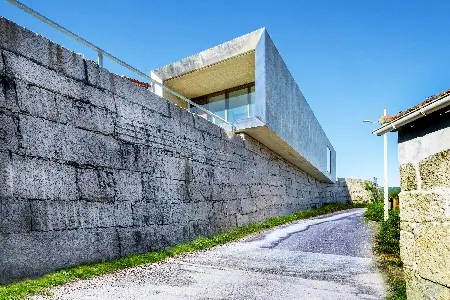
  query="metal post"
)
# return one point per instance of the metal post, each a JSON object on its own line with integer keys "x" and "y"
{"x": 386, "y": 200}
{"x": 100, "y": 59}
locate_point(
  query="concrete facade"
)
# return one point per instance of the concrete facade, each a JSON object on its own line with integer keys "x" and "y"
{"x": 424, "y": 156}
{"x": 94, "y": 167}
{"x": 283, "y": 120}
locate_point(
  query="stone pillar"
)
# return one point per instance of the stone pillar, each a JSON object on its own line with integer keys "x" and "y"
{"x": 425, "y": 226}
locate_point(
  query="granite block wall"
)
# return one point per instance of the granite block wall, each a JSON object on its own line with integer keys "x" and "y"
{"x": 94, "y": 167}
{"x": 424, "y": 155}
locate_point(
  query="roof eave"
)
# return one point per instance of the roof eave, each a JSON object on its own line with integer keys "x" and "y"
{"x": 412, "y": 116}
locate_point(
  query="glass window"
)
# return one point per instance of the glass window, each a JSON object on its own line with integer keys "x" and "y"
{"x": 252, "y": 102}
{"x": 232, "y": 104}
{"x": 238, "y": 107}
{"x": 216, "y": 105}
{"x": 328, "y": 160}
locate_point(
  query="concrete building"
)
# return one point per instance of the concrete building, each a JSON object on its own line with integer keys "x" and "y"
{"x": 424, "y": 156}
{"x": 246, "y": 82}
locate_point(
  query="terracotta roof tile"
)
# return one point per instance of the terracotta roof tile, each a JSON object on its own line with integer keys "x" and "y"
{"x": 388, "y": 119}
{"x": 140, "y": 83}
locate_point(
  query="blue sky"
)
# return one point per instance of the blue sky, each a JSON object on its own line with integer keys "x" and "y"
{"x": 350, "y": 58}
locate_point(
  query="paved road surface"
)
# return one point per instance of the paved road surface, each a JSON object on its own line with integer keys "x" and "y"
{"x": 322, "y": 258}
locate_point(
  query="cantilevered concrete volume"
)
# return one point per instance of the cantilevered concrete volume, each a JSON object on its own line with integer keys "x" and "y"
{"x": 246, "y": 82}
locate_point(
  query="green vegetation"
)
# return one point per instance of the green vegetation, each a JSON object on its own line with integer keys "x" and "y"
{"x": 22, "y": 289}
{"x": 388, "y": 240}
{"x": 388, "y": 243}
{"x": 393, "y": 192}
{"x": 376, "y": 192}
{"x": 375, "y": 211}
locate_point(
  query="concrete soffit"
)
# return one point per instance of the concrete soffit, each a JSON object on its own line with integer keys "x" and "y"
{"x": 211, "y": 56}
{"x": 234, "y": 71}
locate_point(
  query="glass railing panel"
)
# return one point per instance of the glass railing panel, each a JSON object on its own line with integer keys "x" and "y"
{"x": 217, "y": 105}
{"x": 238, "y": 105}
{"x": 252, "y": 102}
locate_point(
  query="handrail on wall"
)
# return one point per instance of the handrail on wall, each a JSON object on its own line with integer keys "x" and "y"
{"x": 101, "y": 53}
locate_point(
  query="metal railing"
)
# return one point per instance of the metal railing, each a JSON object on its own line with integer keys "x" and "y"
{"x": 101, "y": 53}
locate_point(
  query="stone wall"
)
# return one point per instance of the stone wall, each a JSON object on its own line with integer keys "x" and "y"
{"x": 94, "y": 167}
{"x": 424, "y": 155}
{"x": 349, "y": 190}
{"x": 357, "y": 190}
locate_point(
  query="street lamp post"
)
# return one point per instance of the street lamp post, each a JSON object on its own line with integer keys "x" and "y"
{"x": 386, "y": 189}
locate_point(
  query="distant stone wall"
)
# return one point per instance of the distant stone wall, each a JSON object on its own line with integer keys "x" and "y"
{"x": 357, "y": 190}
{"x": 349, "y": 190}
{"x": 424, "y": 154}
{"x": 94, "y": 167}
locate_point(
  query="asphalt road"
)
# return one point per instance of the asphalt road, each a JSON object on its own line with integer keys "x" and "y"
{"x": 321, "y": 258}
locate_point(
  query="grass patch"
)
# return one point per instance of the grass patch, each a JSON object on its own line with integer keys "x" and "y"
{"x": 391, "y": 265}
{"x": 388, "y": 240}
{"x": 375, "y": 211}
{"x": 387, "y": 246}
{"x": 25, "y": 288}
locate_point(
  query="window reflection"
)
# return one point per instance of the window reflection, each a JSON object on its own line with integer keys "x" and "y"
{"x": 217, "y": 106}
{"x": 238, "y": 107}
{"x": 232, "y": 104}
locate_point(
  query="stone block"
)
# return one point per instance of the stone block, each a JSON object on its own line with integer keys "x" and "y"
{"x": 124, "y": 88}
{"x": 174, "y": 233}
{"x": 85, "y": 116}
{"x": 433, "y": 252}
{"x": 99, "y": 98}
{"x": 128, "y": 186}
{"x": 22, "y": 68}
{"x": 407, "y": 249}
{"x": 242, "y": 191}
{"x": 243, "y": 220}
{"x": 425, "y": 206}
{"x": 99, "y": 77}
{"x": 104, "y": 215}
{"x": 54, "y": 107}
{"x": 15, "y": 216}
{"x": 140, "y": 95}
{"x": 96, "y": 185}
{"x": 196, "y": 192}
{"x": 6, "y": 183}
{"x": 197, "y": 228}
{"x": 9, "y": 135}
{"x": 199, "y": 211}
{"x": 24, "y": 42}
{"x": 2, "y": 65}
{"x": 34, "y": 178}
{"x": 66, "y": 62}
{"x": 90, "y": 148}
{"x": 206, "y": 126}
{"x": 181, "y": 115}
{"x": 146, "y": 213}
{"x": 247, "y": 205}
{"x": 37, "y": 253}
{"x": 408, "y": 180}
{"x": 42, "y": 138}
{"x": 123, "y": 214}
{"x": 418, "y": 288}
{"x": 37, "y": 101}
{"x": 141, "y": 239}
{"x": 56, "y": 141}
{"x": 8, "y": 98}
{"x": 435, "y": 171}
{"x": 48, "y": 215}
{"x": 224, "y": 215}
